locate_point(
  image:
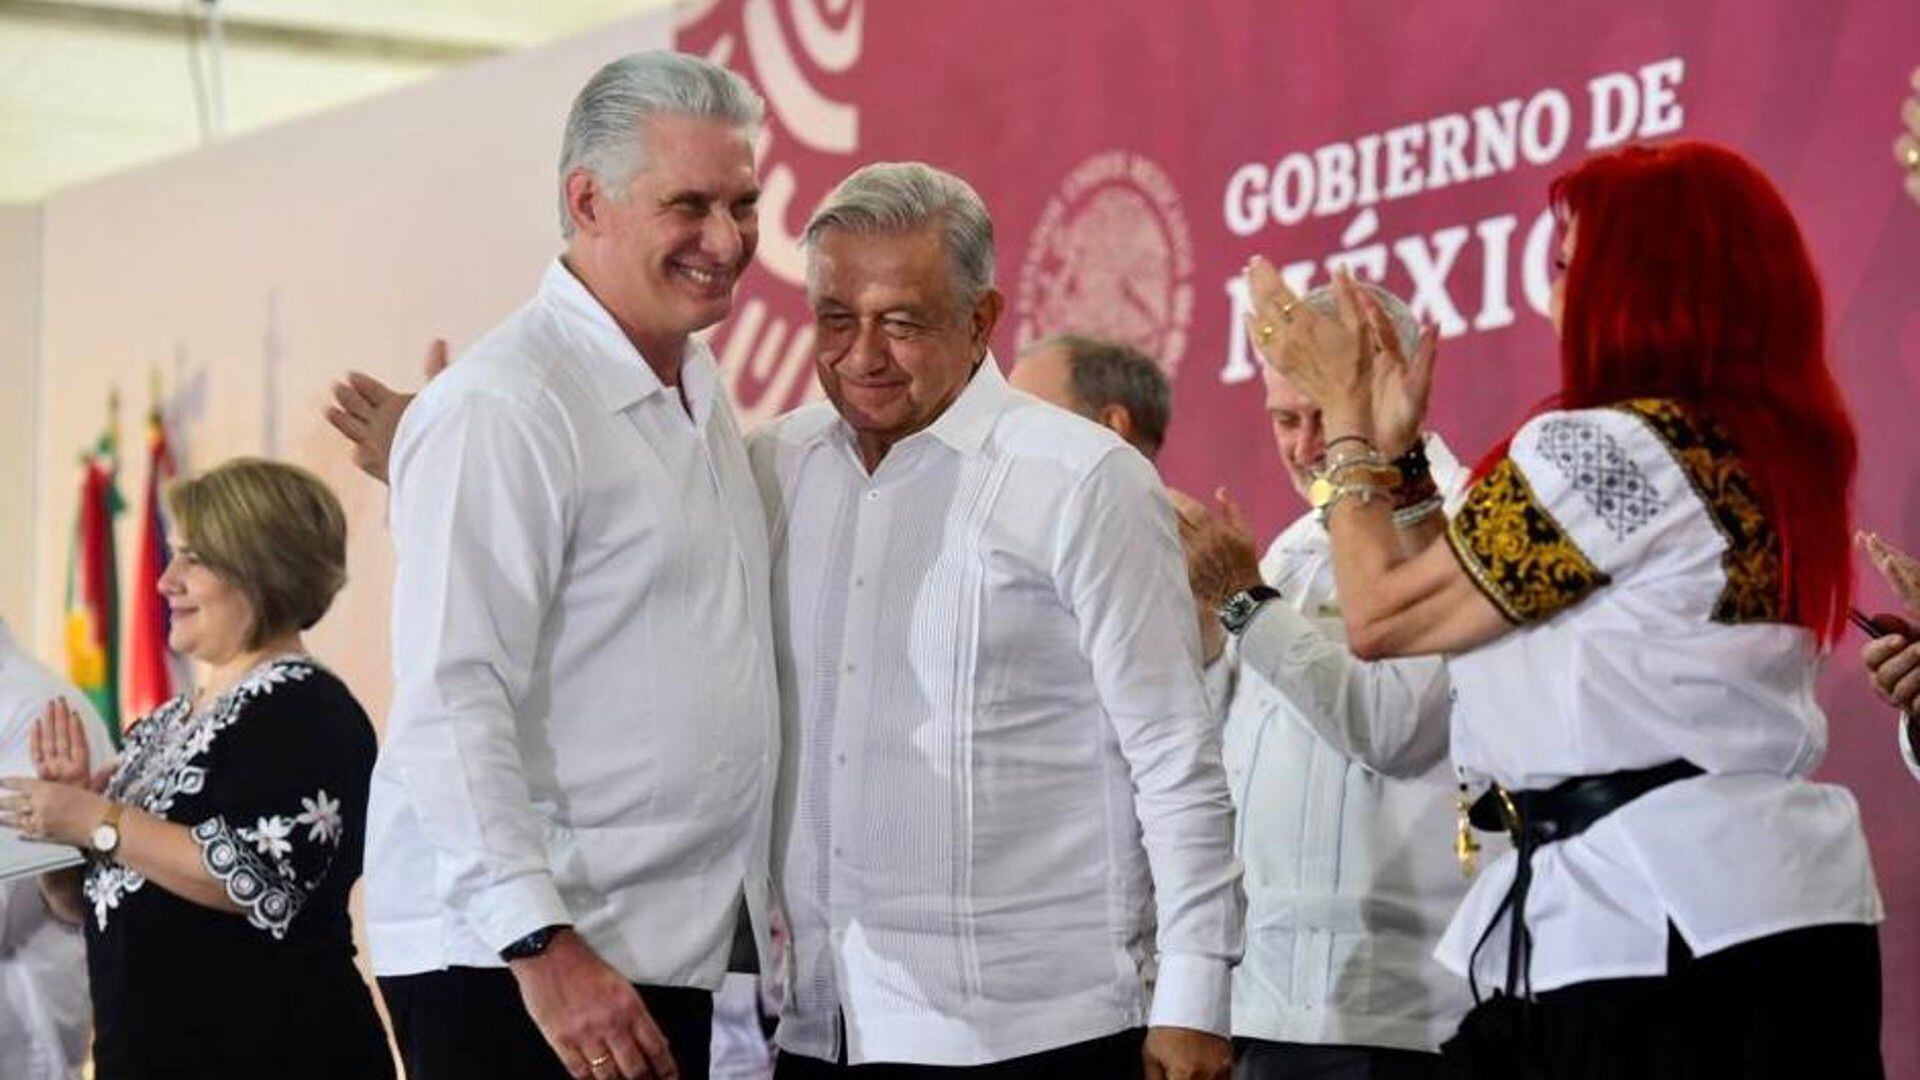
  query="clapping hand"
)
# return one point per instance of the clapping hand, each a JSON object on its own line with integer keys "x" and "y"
{"x": 58, "y": 746}
{"x": 59, "y": 805}
{"x": 1353, "y": 366}
{"x": 1220, "y": 561}
{"x": 367, "y": 411}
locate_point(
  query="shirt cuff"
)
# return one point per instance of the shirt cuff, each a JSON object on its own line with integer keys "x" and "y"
{"x": 504, "y": 913}
{"x": 1265, "y": 642}
{"x": 1193, "y": 991}
{"x": 1906, "y": 745}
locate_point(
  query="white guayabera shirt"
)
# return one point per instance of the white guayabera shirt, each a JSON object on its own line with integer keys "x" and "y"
{"x": 1630, "y": 550}
{"x": 584, "y": 720}
{"x": 1001, "y": 767}
{"x": 1346, "y": 816}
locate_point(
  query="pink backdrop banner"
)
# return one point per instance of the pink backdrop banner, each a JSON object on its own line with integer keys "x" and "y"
{"x": 1135, "y": 153}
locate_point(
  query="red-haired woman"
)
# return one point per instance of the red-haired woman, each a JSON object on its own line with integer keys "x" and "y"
{"x": 1634, "y": 599}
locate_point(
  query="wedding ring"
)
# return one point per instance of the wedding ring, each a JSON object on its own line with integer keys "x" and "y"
{"x": 1286, "y": 310}
{"x": 1266, "y": 332}
{"x": 595, "y": 1063}
{"x": 1910, "y": 156}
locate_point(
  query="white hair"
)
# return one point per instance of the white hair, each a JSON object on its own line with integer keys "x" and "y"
{"x": 603, "y": 128}
{"x": 904, "y": 196}
{"x": 1325, "y": 301}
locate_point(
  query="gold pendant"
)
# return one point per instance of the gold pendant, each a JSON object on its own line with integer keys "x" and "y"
{"x": 1466, "y": 846}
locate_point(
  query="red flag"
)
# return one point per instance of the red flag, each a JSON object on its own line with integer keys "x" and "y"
{"x": 93, "y": 592}
{"x": 152, "y": 668}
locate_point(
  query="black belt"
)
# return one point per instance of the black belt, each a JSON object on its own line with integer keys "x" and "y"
{"x": 1533, "y": 818}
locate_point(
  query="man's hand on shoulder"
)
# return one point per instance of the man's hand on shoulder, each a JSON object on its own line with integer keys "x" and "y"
{"x": 367, "y": 411}
{"x": 1175, "y": 1053}
{"x": 591, "y": 1016}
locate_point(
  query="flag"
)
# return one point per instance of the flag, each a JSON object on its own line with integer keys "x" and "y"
{"x": 153, "y": 670}
{"x": 93, "y": 594}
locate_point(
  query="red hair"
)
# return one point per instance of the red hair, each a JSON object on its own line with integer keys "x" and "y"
{"x": 1690, "y": 281}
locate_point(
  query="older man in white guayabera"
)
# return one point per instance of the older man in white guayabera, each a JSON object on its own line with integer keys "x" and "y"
{"x": 46, "y": 1017}
{"x": 573, "y": 801}
{"x": 1339, "y": 771}
{"x": 1004, "y": 849}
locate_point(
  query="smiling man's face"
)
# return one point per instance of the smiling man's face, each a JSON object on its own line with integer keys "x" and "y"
{"x": 893, "y": 344}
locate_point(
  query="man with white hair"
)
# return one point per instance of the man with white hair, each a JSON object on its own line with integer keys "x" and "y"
{"x": 1004, "y": 850}
{"x": 1340, "y": 774}
{"x": 573, "y": 798}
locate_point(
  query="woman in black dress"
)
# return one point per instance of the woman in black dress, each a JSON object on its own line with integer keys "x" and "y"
{"x": 221, "y": 852}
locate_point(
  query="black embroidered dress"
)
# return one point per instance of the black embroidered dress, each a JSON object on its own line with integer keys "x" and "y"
{"x": 272, "y": 779}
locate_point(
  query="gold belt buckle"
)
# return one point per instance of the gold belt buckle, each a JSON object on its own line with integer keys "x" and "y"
{"x": 1509, "y": 813}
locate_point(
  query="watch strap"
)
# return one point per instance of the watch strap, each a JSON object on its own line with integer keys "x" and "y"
{"x": 533, "y": 944}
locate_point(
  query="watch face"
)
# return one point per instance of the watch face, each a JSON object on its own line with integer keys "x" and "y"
{"x": 105, "y": 838}
{"x": 1319, "y": 492}
{"x": 1233, "y": 613}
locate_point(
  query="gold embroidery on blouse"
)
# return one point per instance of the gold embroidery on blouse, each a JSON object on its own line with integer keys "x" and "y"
{"x": 1515, "y": 551}
{"x": 1720, "y": 478}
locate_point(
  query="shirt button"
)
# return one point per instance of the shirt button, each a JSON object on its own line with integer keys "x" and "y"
{"x": 872, "y": 495}
{"x": 840, "y": 758}
{"x": 849, "y": 667}
{"x": 859, "y": 582}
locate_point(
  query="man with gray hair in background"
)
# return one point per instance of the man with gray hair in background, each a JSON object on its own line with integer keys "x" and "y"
{"x": 1340, "y": 775}
{"x": 1108, "y": 382}
{"x": 1004, "y": 843}
{"x": 573, "y": 798}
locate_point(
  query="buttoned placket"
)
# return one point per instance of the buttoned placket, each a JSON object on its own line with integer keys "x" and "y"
{"x": 871, "y": 519}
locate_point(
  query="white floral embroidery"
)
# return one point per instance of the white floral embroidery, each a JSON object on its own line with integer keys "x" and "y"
{"x": 159, "y": 765}
{"x": 321, "y": 817}
{"x": 269, "y": 836}
{"x": 108, "y": 886}
{"x": 265, "y": 891}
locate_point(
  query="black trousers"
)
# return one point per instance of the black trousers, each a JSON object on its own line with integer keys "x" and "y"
{"x": 470, "y": 1024}
{"x": 1791, "y": 1006}
{"x": 1114, "y": 1057}
{"x": 1260, "y": 1059}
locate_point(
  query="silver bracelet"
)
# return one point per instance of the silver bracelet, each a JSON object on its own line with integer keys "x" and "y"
{"x": 1409, "y": 516}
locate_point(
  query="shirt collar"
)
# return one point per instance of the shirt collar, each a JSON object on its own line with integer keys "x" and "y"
{"x": 965, "y": 423}
{"x": 619, "y": 375}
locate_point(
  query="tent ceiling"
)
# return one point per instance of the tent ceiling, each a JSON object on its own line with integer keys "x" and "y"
{"x": 88, "y": 87}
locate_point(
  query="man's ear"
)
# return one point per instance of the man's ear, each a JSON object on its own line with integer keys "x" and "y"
{"x": 583, "y": 194}
{"x": 1117, "y": 418}
{"x": 986, "y": 314}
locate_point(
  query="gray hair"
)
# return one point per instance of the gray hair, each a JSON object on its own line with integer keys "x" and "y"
{"x": 603, "y": 128}
{"x": 1103, "y": 373}
{"x": 904, "y": 196}
{"x": 1325, "y": 301}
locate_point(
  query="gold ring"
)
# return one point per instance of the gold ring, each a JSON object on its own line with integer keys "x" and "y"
{"x": 1910, "y": 156}
{"x": 1286, "y": 310}
{"x": 595, "y": 1063}
{"x": 1266, "y": 332}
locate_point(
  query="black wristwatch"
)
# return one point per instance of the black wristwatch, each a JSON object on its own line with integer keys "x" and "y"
{"x": 1237, "y": 611}
{"x": 533, "y": 944}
